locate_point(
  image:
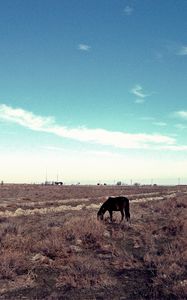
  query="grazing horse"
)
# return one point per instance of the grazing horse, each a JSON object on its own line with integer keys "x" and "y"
{"x": 115, "y": 204}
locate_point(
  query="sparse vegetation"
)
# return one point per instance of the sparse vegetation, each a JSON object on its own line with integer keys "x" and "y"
{"x": 69, "y": 254}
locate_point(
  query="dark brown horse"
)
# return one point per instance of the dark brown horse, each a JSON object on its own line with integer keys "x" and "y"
{"x": 115, "y": 204}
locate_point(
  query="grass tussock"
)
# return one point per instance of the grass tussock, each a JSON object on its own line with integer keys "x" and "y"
{"x": 85, "y": 271}
{"x": 12, "y": 264}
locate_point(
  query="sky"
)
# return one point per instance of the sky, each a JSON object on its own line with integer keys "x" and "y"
{"x": 93, "y": 91}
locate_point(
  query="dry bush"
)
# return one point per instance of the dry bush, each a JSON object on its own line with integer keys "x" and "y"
{"x": 52, "y": 245}
{"x": 2, "y": 220}
{"x": 174, "y": 227}
{"x": 180, "y": 289}
{"x": 168, "y": 265}
{"x": 126, "y": 261}
{"x": 8, "y": 228}
{"x": 181, "y": 202}
{"x": 166, "y": 250}
{"x": 85, "y": 272}
{"x": 12, "y": 263}
{"x": 17, "y": 242}
{"x": 87, "y": 228}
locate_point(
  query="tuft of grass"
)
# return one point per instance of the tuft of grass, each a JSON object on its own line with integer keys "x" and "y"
{"x": 85, "y": 272}
{"x": 12, "y": 264}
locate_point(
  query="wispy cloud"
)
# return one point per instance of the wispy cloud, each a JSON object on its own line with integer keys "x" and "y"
{"x": 182, "y": 50}
{"x": 180, "y": 126}
{"x": 147, "y": 118}
{"x": 181, "y": 114}
{"x": 84, "y": 47}
{"x": 139, "y": 100}
{"x": 98, "y": 136}
{"x": 128, "y": 10}
{"x": 138, "y": 91}
{"x": 161, "y": 124}
{"x": 171, "y": 48}
{"x": 174, "y": 147}
{"x": 24, "y": 118}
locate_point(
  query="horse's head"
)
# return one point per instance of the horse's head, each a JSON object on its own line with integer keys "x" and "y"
{"x": 99, "y": 216}
{"x": 100, "y": 213}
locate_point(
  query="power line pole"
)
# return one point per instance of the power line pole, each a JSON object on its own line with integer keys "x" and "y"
{"x": 46, "y": 176}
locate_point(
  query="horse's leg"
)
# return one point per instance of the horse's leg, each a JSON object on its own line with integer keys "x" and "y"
{"x": 122, "y": 215}
{"x": 110, "y": 212}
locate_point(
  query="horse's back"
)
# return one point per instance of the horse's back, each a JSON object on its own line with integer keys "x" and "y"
{"x": 118, "y": 199}
{"x": 116, "y": 203}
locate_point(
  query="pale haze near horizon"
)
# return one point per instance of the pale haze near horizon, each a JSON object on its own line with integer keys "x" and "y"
{"x": 93, "y": 91}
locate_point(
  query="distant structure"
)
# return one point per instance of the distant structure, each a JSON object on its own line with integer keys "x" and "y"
{"x": 47, "y": 183}
{"x": 58, "y": 183}
{"x": 119, "y": 183}
{"x": 2, "y": 182}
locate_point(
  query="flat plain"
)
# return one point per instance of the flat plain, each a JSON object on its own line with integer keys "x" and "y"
{"x": 53, "y": 247}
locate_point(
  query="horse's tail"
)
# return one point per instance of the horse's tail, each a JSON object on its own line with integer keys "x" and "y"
{"x": 127, "y": 210}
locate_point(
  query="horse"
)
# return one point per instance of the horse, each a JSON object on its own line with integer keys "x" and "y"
{"x": 115, "y": 204}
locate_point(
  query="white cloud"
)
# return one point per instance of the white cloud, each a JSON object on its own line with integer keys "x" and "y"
{"x": 183, "y": 50}
{"x": 98, "y": 136}
{"x": 128, "y": 10}
{"x": 139, "y": 101}
{"x": 84, "y": 47}
{"x": 147, "y": 118}
{"x": 24, "y": 118}
{"x": 138, "y": 91}
{"x": 180, "y": 126}
{"x": 111, "y": 138}
{"x": 182, "y": 114}
{"x": 161, "y": 124}
{"x": 174, "y": 147}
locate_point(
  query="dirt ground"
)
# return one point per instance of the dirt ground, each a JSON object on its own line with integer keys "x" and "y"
{"x": 53, "y": 247}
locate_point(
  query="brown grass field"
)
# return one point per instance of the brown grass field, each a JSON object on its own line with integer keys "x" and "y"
{"x": 53, "y": 247}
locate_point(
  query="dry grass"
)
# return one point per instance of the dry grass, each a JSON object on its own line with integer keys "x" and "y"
{"x": 71, "y": 254}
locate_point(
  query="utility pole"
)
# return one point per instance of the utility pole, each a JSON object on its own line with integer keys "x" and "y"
{"x": 46, "y": 176}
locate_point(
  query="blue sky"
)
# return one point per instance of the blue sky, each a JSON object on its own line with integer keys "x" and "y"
{"x": 94, "y": 91}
